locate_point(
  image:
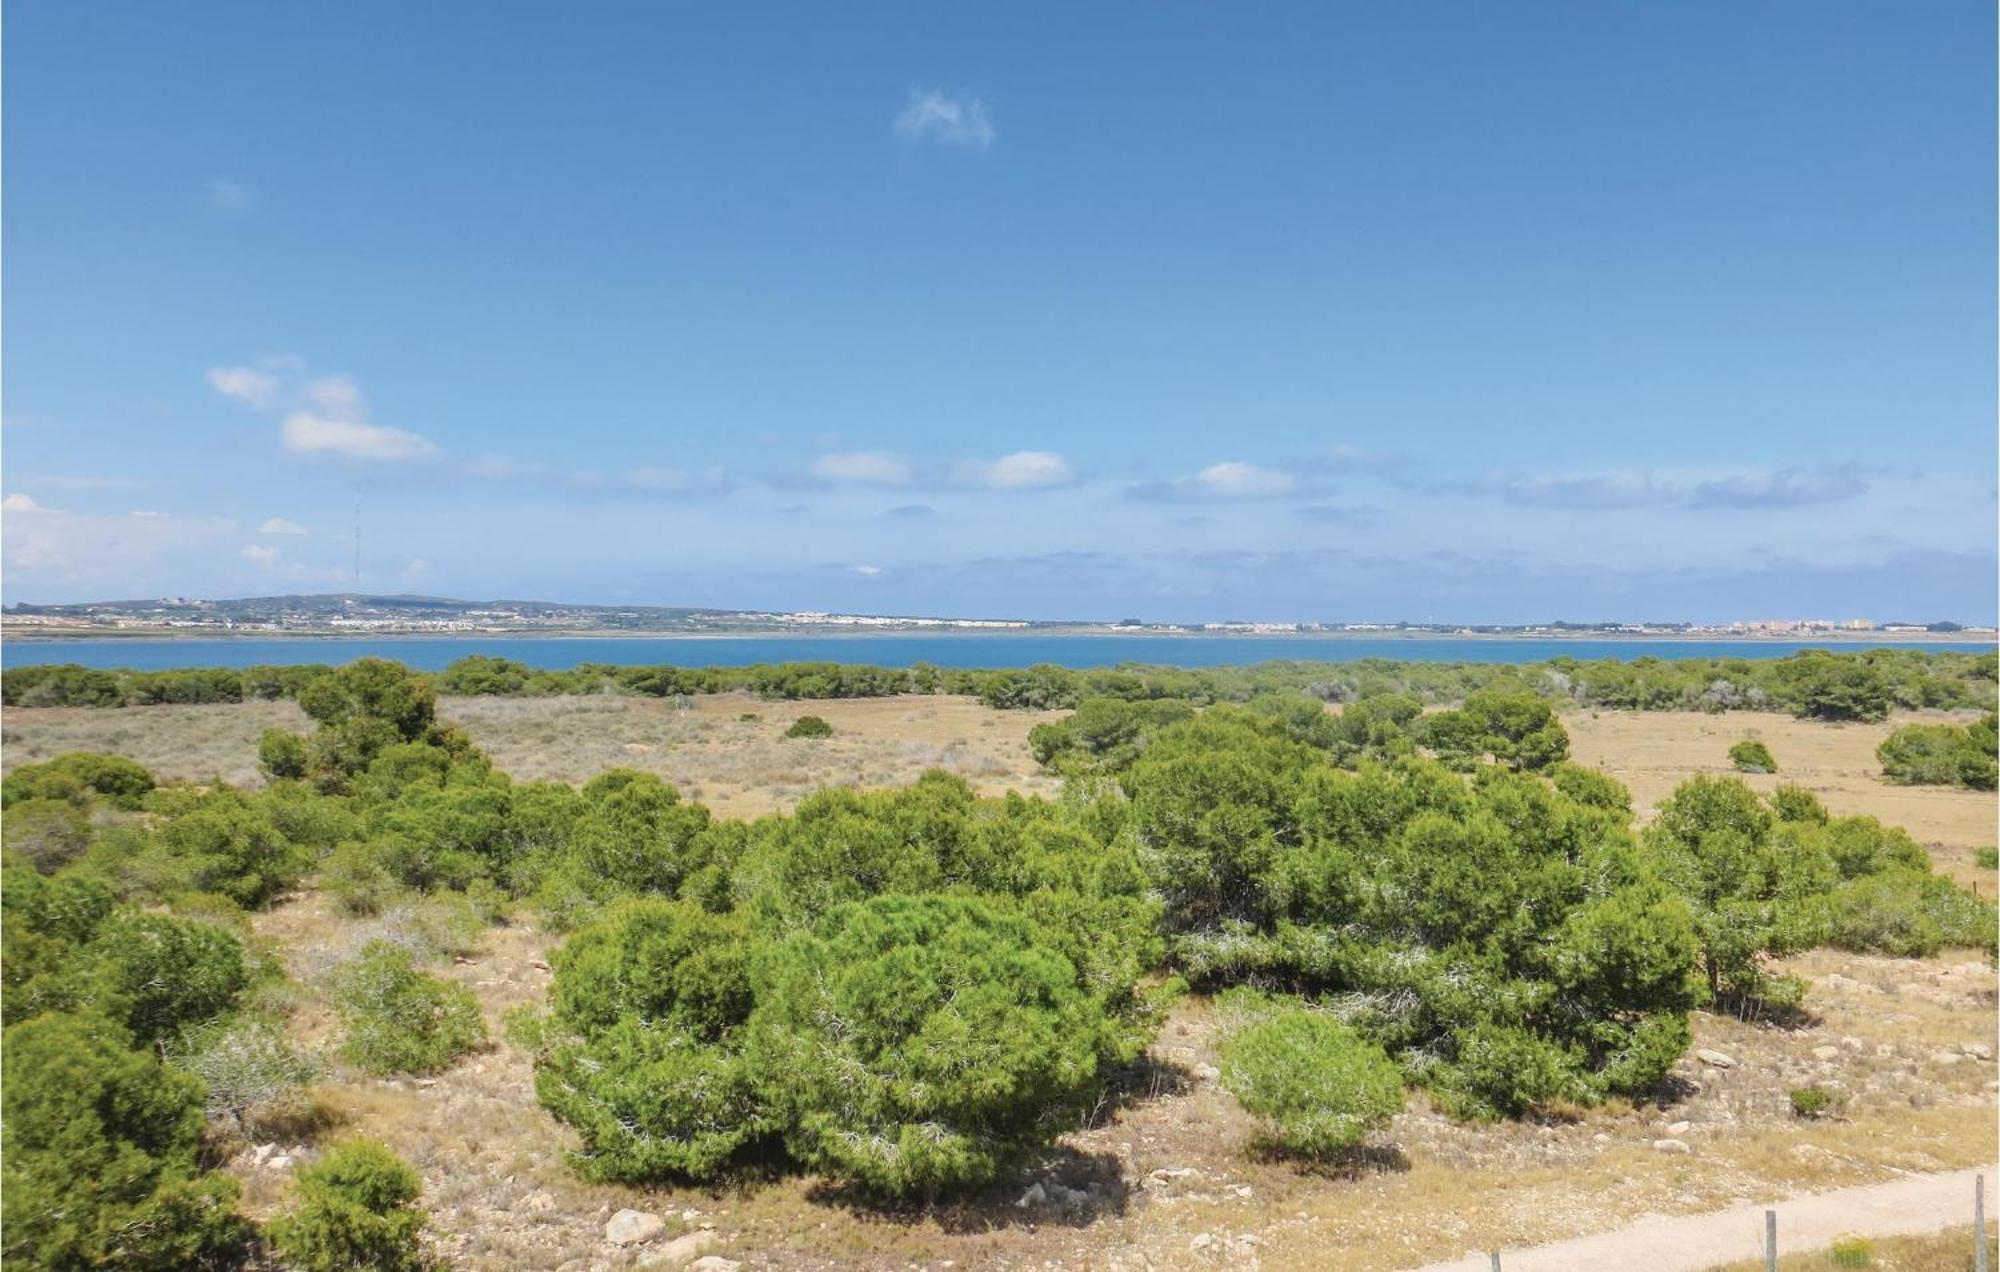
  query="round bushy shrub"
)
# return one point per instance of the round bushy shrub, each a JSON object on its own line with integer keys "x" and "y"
{"x": 921, "y": 1043}
{"x": 810, "y": 726}
{"x": 355, "y": 1209}
{"x": 401, "y": 1020}
{"x": 160, "y": 974}
{"x": 281, "y": 754}
{"x": 1752, "y": 756}
{"x": 99, "y": 1167}
{"x": 1316, "y": 1086}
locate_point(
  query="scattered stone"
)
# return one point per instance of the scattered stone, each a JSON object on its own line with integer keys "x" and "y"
{"x": 713, "y": 1263}
{"x": 1679, "y": 1129}
{"x": 536, "y": 1203}
{"x": 1671, "y": 1146}
{"x": 1852, "y": 1044}
{"x": 1165, "y": 1173}
{"x": 1207, "y": 1073}
{"x": 262, "y": 1151}
{"x": 630, "y": 1227}
{"x": 1244, "y": 1191}
{"x": 682, "y": 1249}
{"x": 1947, "y": 1058}
{"x": 1828, "y": 1052}
{"x": 1602, "y": 1137}
{"x": 1977, "y": 1050}
{"x": 1203, "y": 1242}
{"x": 1715, "y": 1059}
{"x": 283, "y": 1161}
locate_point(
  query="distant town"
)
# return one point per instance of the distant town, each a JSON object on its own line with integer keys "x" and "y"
{"x": 352, "y": 614}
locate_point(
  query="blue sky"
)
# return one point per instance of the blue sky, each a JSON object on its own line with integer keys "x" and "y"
{"x": 1318, "y": 311}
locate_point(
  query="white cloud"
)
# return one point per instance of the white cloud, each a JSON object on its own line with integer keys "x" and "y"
{"x": 1231, "y": 479}
{"x": 247, "y": 385}
{"x": 415, "y": 570}
{"x": 20, "y": 503}
{"x": 148, "y": 514}
{"x": 932, "y": 115}
{"x": 337, "y": 396}
{"x": 1022, "y": 470}
{"x": 869, "y": 571}
{"x": 862, "y": 468}
{"x": 261, "y": 554}
{"x": 228, "y": 195}
{"x": 280, "y": 525}
{"x": 325, "y": 416}
{"x": 308, "y": 434}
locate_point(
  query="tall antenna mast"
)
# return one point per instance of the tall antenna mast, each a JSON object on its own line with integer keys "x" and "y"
{"x": 357, "y": 547}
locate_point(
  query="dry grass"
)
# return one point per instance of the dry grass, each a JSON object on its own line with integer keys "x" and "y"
{"x": 730, "y": 752}
{"x": 1947, "y": 1251}
{"x": 192, "y": 742}
{"x": 1653, "y": 752}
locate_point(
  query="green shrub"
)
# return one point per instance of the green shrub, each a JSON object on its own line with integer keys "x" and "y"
{"x": 1853, "y": 1252}
{"x": 1941, "y": 755}
{"x": 1909, "y": 914}
{"x": 920, "y": 1043}
{"x": 224, "y": 841}
{"x": 281, "y": 754}
{"x": 160, "y": 974}
{"x": 100, "y": 1162}
{"x": 1316, "y": 1086}
{"x": 46, "y": 833}
{"x": 400, "y": 1020}
{"x": 1752, "y": 756}
{"x": 357, "y": 881}
{"x": 77, "y": 776}
{"x": 354, "y": 1211}
{"x": 1590, "y": 787}
{"x": 1986, "y": 858}
{"x": 809, "y": 726}
{"x": 1812, "y": 1101}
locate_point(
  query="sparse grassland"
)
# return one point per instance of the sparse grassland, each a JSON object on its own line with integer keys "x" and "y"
{"x": 1947, "y": 1251}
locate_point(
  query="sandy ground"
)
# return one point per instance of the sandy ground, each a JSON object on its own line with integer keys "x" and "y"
{"x": 1691, "y": 1243}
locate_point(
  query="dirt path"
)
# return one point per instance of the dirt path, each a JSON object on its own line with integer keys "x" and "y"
{"x": 1691, "y": 1243}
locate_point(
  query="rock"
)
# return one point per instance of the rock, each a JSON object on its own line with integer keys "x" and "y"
{"x": 1679, "y": 1129}
{"x": 1601, "y": 1138}
{"x": 1035, "y": 1196}
{"x": 1165, "y": 1173}
{"x": 1715, "y": 1059}
{"x": 262, "y": 1151}
{"x": 713, "y": 1263}
{"x": 1207, "y": 1073}
{"x": 1852, "y": 1044}
{"x": 1671, "y": 1146}
{"x": 283, "y": 1161}
{"x": 1826, "y": 1052}
{"x": 1977, "y": 1050}
{"x": 1203, "y": 1242}
{"x": 536, "y": 1203}
{"x": 1244, "y": 1191}
{"x": 1947, "y": 1058}
{"x": 630, "y": 1227}
{"x": 681, "y": 1250}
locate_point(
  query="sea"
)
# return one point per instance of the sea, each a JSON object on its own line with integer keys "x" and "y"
{"x": 431, "y": 653}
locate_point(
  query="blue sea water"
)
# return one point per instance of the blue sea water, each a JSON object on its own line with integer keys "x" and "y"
{"x": 434, "y": 652}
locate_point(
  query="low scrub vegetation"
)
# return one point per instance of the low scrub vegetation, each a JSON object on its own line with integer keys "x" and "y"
{"x": 906, "y": 991}
{"x": 1817, "y": 684}
{"x": 1943, "y": 755}
{"x": 1752, "y": 756}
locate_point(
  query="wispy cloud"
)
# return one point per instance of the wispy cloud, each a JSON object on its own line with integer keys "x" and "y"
{"x": 280, "y": 525}
{"x": 228, "y": 195}
{"x": 862, "y": 468}
{"x": 1022, "y": 470}
{"x": 260, "y": 554}
{"x": 20, "y": 503}
{"x": 1230, "y": 480}
{"x": 1605, "y": 491}
{"x": 251, "y": 386}
{"x": 935, "y": 116}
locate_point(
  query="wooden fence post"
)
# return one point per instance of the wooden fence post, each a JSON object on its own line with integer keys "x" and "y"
{"x": 1771, "y": 1241}
{"x": 1979, "y": 1223}
{"x": 1496, "y": 1261}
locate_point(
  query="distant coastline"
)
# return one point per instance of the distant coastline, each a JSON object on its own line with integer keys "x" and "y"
{"x": 42, "y": 635}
